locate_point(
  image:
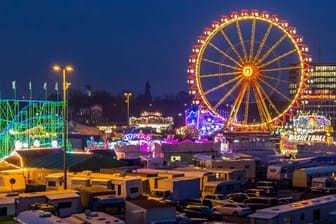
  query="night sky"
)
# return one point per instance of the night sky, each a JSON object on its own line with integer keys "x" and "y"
{"x": 116, "y": 45}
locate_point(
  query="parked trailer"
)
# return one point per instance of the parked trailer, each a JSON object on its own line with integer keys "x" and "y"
{"x": 221, "y": 187}
{"x": 65, "y": 202}
{"x": 314, "y": 210}
{"x": 282, "y": 173}
{"x": 90, "y": 217}
{"x": 302, "y": 178}
{"x": 39, "y": 217}
{"x": 177, "y": 189}
{"x": 203, "y": 175}
{"x": 219, "y": 174}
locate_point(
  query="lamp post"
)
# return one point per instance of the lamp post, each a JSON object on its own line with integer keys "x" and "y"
{"x": 128, "y": 95}
{"x": 66, "y": 85}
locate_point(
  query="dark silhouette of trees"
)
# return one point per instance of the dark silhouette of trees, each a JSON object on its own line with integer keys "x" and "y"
{"x": 115, "y": 108}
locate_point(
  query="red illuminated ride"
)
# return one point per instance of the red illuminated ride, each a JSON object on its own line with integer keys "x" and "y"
{"x": 240, "y": 67}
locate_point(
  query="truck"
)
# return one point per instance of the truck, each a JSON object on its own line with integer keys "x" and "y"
{"x": 176, "y": 189}
{"x": 324, "y": 184}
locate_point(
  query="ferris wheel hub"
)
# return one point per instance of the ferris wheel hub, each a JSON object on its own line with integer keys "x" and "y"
{"x": 247, "y": 71}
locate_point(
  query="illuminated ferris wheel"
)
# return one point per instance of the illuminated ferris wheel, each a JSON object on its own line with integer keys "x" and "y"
{"x": 249, "y": 68}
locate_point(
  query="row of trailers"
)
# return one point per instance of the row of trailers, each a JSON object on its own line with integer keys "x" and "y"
{"x": 300, "y": 173}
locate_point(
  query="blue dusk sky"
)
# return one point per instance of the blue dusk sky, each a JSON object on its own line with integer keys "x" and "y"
{"x": 120, "y": 44}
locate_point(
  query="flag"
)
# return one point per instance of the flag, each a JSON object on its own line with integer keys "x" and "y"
{"x": 45, "y": 86}
{"x": 13, "y": 84}
{"x": 56, "y": 86}
{"x": 30, "y": 85}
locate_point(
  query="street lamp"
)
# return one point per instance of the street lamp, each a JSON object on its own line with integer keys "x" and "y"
{"x": 128, "y": 95}
{"x": 66, "y": 85}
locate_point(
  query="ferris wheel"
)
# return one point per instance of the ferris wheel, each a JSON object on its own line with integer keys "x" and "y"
{"x": 249, "y": 68}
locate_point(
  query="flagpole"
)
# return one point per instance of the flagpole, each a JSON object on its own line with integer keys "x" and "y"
{"x": 46, "y": 91}
{"x": 57, "y": 93}
{"x": 14, "y": 88}
{"x": 30, "y": 90}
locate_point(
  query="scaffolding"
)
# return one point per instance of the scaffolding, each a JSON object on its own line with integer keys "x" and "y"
{"x": 30, "y": 124}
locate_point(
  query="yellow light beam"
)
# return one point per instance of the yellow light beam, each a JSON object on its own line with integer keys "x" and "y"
{"x": 247, "y": 103}
{"x": 260, "y": 109}
{"x": 241, "y": 40}
{"x": 280, "y": 69}
{"x": 263, "y": 104}
{"x": 222, "y": 85}
{"x": 221, "y": 64}
{"x": 269, "y": 99}
{"x": 275, "y": 90}
{"x": 261, "y": 46}
{"x": 225, "y": 54}
{"x": 232, "y": 46}
{"x": 277, "y": 79}
{"x": 220, "y": 74}
{"x": 278, "y": 58}
{"x": 228, "y": 93}
{"x": 269, "y": 51}
{"x": 240, "y": 98}
{"x": 252, "y": 39}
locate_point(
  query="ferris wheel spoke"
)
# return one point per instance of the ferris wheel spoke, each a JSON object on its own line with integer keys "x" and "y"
{"x": 269, "y": 100}
{"x": 238, "y": 101}
{"x": 260, "y": 110}
{"x": 225, "y": 54}
{"x": 275, "y": 90}
{"x": 232, "y": 46}
{"x": 241, "y": 40}
{"x": 261, "y": 46}
{"x": 278, "y": 58}
{"x": 222, "y": 85}
{"x": 221, "y": 64}
{"x": 219, "y": 74}
{"x": 263, "y": 103}
{"x": 247, "y": 103}
{"x": 276, "y": 79}
{"x": 252, "y": 39}
{"x": 272, "y": 49}
{"x": 280, "y": 69}
{"x": 228, "y": 93}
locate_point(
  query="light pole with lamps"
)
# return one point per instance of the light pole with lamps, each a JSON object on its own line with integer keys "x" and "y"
{"x": 66, "y": 85}
{"x": 128, "y": 95}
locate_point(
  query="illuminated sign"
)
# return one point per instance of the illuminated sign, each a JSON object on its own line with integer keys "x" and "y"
{"x": 307, "y": 138}
{"x": 137, "y": 136}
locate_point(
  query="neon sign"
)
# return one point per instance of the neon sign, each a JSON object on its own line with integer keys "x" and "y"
{"x": 307, "y": 138}
{"x": 137, "y": 136}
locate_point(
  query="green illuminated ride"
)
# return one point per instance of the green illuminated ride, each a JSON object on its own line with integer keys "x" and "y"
{"x": 26, "y": 124}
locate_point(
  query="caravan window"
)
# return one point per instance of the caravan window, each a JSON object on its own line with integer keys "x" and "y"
{"x": 67, "y": 204}
{"x": 119, "y": 190}
{"x": 3, "y": 211}
{"x": 134, "y": 189}
{"x": 52, "y": 183}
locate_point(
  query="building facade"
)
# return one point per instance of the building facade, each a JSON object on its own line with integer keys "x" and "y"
{"x": 320, "y": 93}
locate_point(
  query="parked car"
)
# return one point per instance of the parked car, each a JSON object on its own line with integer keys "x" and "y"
{"x": 237, "y": 197}
{"x": 256, "y": 192}
{"x": 260, "y": 202}
{"x": 234, "y": 209}
{"x": 215, "y": 199}
{"x": 201, "y": 211}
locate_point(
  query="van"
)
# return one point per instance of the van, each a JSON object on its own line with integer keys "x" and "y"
{"x": 260, "y": 202}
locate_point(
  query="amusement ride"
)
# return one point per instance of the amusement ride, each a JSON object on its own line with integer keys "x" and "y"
{"x": 239, "y": 72}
